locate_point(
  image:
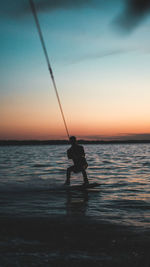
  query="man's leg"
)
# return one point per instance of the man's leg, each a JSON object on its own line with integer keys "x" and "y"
{"x": 68, "y": 174}
{"x": 85, "y": 177}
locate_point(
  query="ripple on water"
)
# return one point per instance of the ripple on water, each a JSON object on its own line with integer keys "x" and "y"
{"x": 121, "y": 170}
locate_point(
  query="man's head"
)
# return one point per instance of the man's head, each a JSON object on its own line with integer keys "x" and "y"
{"x": 72, "y": 140}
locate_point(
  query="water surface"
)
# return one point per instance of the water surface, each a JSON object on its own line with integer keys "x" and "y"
{"x": 123, "y": 171}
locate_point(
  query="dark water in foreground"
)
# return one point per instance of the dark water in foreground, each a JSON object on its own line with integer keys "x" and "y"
{"x": 122, "y": 170}
{"x": 43, "y": 225}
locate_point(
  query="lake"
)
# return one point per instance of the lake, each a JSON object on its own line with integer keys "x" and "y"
{"x": 34, "y": 204}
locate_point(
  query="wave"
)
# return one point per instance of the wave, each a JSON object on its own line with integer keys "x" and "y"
{"x": 131, "y": 204}
{"x": 41, "y": 165}
{"x": 35, "y": 185}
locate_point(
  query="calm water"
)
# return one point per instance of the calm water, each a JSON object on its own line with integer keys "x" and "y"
{"x": 123, "y": 171}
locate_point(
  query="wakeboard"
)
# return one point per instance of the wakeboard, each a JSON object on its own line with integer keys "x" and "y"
{"x": 63, "y": 188}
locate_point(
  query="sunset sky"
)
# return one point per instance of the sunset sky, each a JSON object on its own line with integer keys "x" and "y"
{"x": 100, "y": 55}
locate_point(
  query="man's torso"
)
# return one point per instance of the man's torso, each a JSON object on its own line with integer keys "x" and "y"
{"x": 76, "y": 153}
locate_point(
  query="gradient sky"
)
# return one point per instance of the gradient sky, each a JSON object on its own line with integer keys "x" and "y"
{"x": 102, "y": 72}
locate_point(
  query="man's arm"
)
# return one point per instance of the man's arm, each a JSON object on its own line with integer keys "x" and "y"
{"x": 69, "y": 154}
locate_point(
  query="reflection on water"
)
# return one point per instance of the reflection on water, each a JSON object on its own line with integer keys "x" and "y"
{"x": 26, "y": 172}
{"x": 76, "y": 203}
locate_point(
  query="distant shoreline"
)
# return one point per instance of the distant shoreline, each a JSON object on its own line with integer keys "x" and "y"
{"x": 66, "y": 142}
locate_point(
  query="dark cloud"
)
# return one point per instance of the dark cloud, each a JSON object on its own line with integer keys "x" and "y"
{"x": 133, "y": 14}
{"x": 10, "y": 8}
{"x": 120, "y": 137}
{"x": 59, "y": 4}
{"x": 22, "y": 7}
{"x": 141, "y": 136}
{"x": 52, "y": 5}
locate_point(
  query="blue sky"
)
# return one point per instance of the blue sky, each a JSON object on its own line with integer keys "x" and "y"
{"x": 101, "y": 69}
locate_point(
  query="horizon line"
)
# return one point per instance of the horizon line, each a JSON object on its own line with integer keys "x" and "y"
{"x": 65, "y": 141}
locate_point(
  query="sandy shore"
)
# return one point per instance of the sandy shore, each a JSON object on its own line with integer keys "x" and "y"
{"x": 71, "y": 241}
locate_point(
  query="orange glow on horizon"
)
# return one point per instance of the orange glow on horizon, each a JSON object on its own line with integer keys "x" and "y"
{"x": 53, "y": 131}
{"x": 33, "y": 122}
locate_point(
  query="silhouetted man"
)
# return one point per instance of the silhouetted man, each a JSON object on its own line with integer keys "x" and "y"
{"x": 77, "y": 154}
